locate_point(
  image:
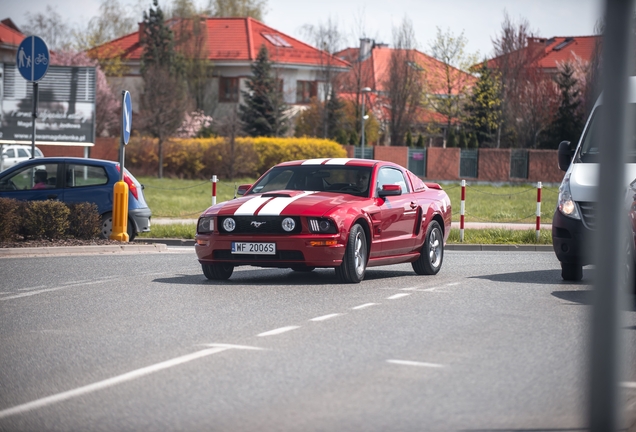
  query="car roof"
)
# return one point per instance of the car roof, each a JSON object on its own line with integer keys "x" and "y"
{"x": 334, "y": 161}
{"x": 71, "y": 159}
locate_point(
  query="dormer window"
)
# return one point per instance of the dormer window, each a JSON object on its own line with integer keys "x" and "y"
{"x": 276, "y": 40}
{"x": 563, "y": 44}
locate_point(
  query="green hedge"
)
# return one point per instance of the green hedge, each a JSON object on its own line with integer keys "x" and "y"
{"x": 204, "y": 157}
{"x": 36, "y": 220}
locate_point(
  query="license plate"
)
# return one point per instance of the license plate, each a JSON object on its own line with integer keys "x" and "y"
{"x": 254, "y": 248}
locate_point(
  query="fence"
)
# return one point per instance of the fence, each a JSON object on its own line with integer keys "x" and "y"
{"x": 417, "y": 162}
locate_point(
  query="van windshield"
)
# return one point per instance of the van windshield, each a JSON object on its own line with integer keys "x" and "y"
{"x": 592, "y": 139}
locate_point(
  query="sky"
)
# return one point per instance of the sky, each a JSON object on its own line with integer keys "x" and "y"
{"x": 479, "y": 20}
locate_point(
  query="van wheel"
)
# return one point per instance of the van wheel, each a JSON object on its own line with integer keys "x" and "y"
{"x": 217, "y": 271}
{"x": 571, "y": 272}
{"x": 106, "y": 228}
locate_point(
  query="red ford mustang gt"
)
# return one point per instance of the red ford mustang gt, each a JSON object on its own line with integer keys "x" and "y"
{"x": 347, "y": 214}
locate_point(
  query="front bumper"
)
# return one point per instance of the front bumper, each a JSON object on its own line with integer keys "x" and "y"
{"x": 290, "y": 250}
{"x": 570, "y": 240}
{"x": 141, "y": 218}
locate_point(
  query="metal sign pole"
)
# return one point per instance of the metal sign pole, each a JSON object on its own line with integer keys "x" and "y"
{"x": 34, "y": 115}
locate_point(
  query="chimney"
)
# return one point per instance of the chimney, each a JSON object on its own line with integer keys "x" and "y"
{"x": 366, "y": 45}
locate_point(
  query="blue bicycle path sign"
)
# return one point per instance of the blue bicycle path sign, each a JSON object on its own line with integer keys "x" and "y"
{"x": 33, "y": 58}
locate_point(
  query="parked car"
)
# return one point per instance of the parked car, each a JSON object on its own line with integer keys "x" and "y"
{"x": 575, "y": 217}
{"x": 75, "y": 180}
{"x": 13, "y": 154}
{"x": 630, "y": 247}
{"x": 347, "y": 214}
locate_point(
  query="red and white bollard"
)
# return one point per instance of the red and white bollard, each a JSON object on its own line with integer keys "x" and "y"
{"x": 538, "y": 227}
{"x": 462, "y": 208}
{"x": 213, "y": 189}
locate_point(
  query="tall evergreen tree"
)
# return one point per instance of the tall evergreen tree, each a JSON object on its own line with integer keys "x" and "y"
{"x": 157, "y": 40}
{"x": 568, "y": 122}
{"x": 484, "y": 106}
{"x": 335, "y": 115}
{"x": 263, "y": 112}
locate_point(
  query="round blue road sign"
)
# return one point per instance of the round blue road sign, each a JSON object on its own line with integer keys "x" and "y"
{"x": 33, "y": 58}
{"x": 126, "y": 117}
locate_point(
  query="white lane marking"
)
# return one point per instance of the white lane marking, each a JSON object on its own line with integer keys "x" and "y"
{"x": 397, "y": 296}
{"x": 276, "y": 206}
{"x": 138, "y": 373}
{"x": 232, "y": 346}
{"x": 278, "y": 331}
{"x": 364, "y": 306}
{"x": 337, "y": 161}
{"x": 325, "y": 317}
{"x": 314, "y": 161}
{"x": 31, "y": 288}
{"x": 627, "y": 384}
{"x": 249, "y": 207}
{"x": 452, "y": 283}
{"x": 410, "y": 289}
{"x": 415, "y": 363}
{"x": 32, "y": 293}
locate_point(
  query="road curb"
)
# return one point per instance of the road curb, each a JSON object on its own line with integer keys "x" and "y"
{"x": 167, "y": 241}
{"x": 28, "y": 252}
{"x": 495, "y": 247}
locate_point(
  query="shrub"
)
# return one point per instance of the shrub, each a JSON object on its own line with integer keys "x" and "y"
{"x": 9, "y": 218}
{"x": 84, "y": 221}
{"x": 45, "y": 219}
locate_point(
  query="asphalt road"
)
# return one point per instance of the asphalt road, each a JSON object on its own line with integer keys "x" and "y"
{"x": 496, "y": 341}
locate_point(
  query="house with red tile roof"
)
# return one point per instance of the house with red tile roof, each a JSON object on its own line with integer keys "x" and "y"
{"x": 10, "y": 38}
{"x": 370, "y": 68}
{"x": 231, "y": 46}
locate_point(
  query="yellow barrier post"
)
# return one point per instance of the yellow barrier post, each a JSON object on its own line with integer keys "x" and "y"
{"x": 120, "y": 190}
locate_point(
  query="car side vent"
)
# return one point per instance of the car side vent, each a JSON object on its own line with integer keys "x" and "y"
{"x": 588, "y": 213}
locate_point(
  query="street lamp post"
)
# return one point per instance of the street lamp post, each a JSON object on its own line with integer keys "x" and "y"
{"x": 363, "y": 118}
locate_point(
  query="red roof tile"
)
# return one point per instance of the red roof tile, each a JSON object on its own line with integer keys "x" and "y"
{"x": 10, "y": 36}
{"x": 235, "y": 39}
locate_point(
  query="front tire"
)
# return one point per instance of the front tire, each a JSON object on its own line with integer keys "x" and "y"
{"x": 571, "y": 272}
{"x": 354, "y": 262}
{"x": 217, "y": 271}
{"x": 432, "y": 255}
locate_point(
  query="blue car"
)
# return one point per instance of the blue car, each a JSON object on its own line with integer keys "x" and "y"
{"x": 76, "y": 180}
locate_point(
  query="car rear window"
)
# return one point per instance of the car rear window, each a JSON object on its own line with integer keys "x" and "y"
{"x": 78, "y": 175}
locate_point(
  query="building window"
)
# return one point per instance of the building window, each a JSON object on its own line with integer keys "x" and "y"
{"x": 276, "y": 40}
{"x": 305, "y": 90}
{"x": 229, "y": 89}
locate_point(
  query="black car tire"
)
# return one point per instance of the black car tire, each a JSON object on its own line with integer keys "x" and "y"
{"x": 217, "y": 271}
{"x": 106, "y": 227}
{"x": 432, "y": 256}
{"x": 571, "y": 272}
{"x": 302, "y": 268}
{"x": 354, "y": 262}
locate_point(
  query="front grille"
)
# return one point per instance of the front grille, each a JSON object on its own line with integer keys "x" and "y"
{"x": 588, "y": 214}
{"x": 283, "y": 255}
{"x": 262, "y": 225}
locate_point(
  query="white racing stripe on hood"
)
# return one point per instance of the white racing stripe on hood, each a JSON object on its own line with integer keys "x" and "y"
{"x": 249, "y": 207}
{"x": 314, "y": 161}
{"x": 337, "y": 161}
{"x": 276, "y": 206}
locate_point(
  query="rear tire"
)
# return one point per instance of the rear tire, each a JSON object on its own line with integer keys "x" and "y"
{"x": 354, "y": 262}
{"x": 571, "y": 272}
{"x": 432, "y": 255}
{"x": 217, "y": 271}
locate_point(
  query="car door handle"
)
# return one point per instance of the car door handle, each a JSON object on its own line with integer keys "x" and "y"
{"x": 413, "y": 204}
{"x": 52, "y": 196}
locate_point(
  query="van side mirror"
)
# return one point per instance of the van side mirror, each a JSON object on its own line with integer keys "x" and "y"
{"x": 565, "y": 154}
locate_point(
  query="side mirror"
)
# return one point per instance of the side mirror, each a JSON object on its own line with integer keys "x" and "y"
{"x": 565, "y": 154}
{"x": 243, "y": 188}
{"x": 390, "y": 190}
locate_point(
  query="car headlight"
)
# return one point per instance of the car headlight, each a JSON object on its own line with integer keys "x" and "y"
{"x": 205, "y": 225}
{"x": 566, "y": 204}
{"x": 322, "y": 226}
{"x": 229, "y": 224}
{"x": 288, "y": 224}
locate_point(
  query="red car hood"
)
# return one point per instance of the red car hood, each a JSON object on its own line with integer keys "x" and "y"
{"x": 284, "y": 203}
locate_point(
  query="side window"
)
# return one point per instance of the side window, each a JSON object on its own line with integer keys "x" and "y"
{"x": 85, "y": 175}
{"x": 22, "y": 153}
{"x": 10, "y": 153}
{"x": 392, "y": 176}
{"x": 32, "y": 177}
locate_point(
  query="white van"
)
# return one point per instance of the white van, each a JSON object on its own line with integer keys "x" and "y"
{"x": 13, "y": 154}
{"x": 574, "y": 218}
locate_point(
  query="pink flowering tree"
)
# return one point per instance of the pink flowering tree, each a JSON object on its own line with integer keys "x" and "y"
{"x": 192, "y": 124}
{"x": 107, "y": 106}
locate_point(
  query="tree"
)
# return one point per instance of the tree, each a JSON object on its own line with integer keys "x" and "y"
{"x": 238, "y": 8}
{"x": 448, "y": 94}
{"x": 51, "y": 27}
{"x": 568, "y": 122}
{"x": 107, "y": 106}
{"x": 263, "y": 113}
{"x": 164, "y": 101}
{"x": 484, "y": 106}
{"x": 405, "y": 83}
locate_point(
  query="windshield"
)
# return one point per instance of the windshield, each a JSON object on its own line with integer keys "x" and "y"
{"x": 592, "y": 140}
{"x": 330, "y": 178}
